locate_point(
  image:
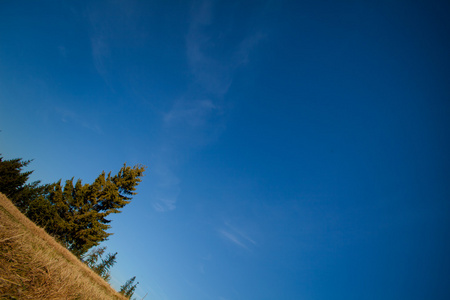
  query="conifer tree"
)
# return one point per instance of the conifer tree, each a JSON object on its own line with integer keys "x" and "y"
{"x": 77, "y": 214}
{"x": 93, "y": 256}
{"x": 128, "y": 288}
{"x": 12, "y": 178}
{"x": 105, "y": 265}
{"x": 13, "y": 183}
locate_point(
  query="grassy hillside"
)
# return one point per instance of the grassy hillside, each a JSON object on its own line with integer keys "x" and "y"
{"x": 34, "y": 266}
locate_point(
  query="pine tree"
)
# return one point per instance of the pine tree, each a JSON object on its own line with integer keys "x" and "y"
{"x": 93, "y": 256}
{"x": 105, "y": 265}
{"x": 93, "y": 203}
{"x": 128, "y": 288}
{"x": 13, "y": 183}
{"x": 77, "y": 214}
{"x": 12, "y": 178}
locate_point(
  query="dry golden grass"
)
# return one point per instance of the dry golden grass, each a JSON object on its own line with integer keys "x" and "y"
{"x": 33, "y": 265}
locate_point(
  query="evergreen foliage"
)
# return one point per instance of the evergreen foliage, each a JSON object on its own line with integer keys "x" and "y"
{"x": 77, "y": 213}
{"x": 128, "y": 288}
{"x": 104, "y": 266}
{"x": 13, "y": 183}
{"x": 93, "y": 256}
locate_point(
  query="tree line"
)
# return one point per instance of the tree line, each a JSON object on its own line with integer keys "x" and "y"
{"x": 75, "y": 213}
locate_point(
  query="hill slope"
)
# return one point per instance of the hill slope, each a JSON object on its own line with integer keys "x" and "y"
{"x": 33, "y": 265}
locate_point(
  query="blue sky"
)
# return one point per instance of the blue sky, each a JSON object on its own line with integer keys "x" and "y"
{"x": 295, "y": 149}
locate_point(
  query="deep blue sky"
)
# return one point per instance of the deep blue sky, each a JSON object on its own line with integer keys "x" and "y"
{"x": 295, "y": 149}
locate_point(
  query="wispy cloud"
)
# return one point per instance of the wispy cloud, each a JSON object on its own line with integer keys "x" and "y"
{"x": 232, "y": 238}
{"x": 69, "y": 116}
{"x": 62, "y": 51}
{"x": 187, "y": 126}
{"x": 111, "y": 25}
{"x": 236, "y": 236}
{"x": 213, "y": 74}
{"x": 100, "y": 35}
{"x": 194, "y": 113}
{"x": 242, "y": 54}
{"x": 100, "y": 54}
{"x": 167, "y": 186}
{"x": 197, "y": 117}
{"x": 165, "y": 204}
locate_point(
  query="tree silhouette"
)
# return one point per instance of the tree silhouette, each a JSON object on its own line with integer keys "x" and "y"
{"x": 13, "y": 183}
{"x": 128, "y": 288}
